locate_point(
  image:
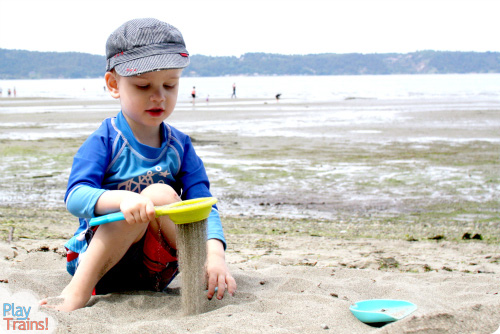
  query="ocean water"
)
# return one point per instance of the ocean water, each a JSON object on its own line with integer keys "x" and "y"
{"x": 304, "y": 88}
{"x": 394, "y": 96}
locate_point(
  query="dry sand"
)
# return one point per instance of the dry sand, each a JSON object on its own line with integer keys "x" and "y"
{"x": 295, "y": 275}
{"x": 295, "y": 285}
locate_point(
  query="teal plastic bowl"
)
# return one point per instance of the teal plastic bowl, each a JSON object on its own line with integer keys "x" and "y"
{"x": 381, "y": 310}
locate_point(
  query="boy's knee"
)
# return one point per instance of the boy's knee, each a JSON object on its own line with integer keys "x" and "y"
{"x": 161, "y": 194}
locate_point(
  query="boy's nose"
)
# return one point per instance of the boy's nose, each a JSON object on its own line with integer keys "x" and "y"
{"x": 158, "y": 95}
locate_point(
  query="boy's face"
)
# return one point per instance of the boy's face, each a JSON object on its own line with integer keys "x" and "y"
{"x": 147, "y": 99}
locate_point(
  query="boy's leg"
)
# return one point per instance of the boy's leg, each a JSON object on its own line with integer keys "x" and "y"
{"x": 163, "y": 228}
{"x": 109, "y": 244}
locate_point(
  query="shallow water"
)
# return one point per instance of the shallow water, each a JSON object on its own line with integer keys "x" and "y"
{"x": 304, "y": 88}
{"x": 293, "y": 158}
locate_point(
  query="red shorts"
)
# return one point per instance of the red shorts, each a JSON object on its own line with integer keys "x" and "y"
{"x": 156, "y": 255}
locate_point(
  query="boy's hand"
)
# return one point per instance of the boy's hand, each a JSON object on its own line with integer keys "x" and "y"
{"x": 217, "y": 271}
{"x": 137, "y": 209}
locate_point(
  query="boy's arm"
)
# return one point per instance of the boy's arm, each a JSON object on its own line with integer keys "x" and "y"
{"x": 214, "y": 227}
{"x": 217, "y": 271}
{"x": 87, "y": 173}
{"x": 135, "y": 207}
{"x": 195, "y": 184}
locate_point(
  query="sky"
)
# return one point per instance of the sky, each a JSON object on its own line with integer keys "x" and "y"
{"x": 235, "y": 27}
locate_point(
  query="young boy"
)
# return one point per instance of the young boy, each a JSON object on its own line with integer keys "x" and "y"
{"x": 132, "y": 163}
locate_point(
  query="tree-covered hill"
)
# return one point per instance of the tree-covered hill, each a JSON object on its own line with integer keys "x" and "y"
{"x": 20, "y": 64}
{"x": 423, "y": 62}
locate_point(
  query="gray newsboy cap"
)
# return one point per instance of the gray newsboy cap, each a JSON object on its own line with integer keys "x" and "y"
{"x": 145, "y": 45}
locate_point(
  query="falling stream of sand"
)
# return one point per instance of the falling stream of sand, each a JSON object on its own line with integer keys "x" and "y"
{"x": 192, "y": 253}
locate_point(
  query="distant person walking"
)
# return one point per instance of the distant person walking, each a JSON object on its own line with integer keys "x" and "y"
{"x": 193, "y": 93}
{"x": 234, "y": 91}
{"x": 9, "y": 92}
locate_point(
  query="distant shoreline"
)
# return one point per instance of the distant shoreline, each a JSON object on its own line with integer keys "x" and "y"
{"x": 22, "y": 64}
{"x": 268, "y": 75}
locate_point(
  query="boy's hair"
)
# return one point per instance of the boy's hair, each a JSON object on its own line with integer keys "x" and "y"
{"x": 145, "y": 45}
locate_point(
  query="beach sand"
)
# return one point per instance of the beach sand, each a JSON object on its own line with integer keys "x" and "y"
{"x": 292, "y": 285}
{"x": 300, "y": 256}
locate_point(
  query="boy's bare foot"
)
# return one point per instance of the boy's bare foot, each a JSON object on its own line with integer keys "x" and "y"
{"x": 64, "y": 302}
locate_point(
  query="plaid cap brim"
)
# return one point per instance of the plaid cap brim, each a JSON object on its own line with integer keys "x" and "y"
{"x": 151, "y": 64}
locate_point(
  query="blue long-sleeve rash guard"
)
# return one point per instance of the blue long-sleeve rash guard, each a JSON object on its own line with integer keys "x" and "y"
{"x": 112, "y": 159}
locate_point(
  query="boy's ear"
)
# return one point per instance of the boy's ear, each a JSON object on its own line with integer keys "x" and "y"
{"x": 112, "y": 84}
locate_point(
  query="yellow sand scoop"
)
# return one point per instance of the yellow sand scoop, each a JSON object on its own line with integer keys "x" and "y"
{"x": 183, "y": 212}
